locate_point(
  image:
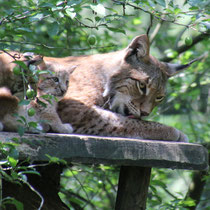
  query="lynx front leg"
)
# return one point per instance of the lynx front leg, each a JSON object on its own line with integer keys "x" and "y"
{"x": 119, "y": 125}
{"x": 96, "y": 121}
{"x": 54, "y": 124}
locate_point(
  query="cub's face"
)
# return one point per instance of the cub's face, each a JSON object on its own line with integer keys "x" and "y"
{"x": 54, "y": 83}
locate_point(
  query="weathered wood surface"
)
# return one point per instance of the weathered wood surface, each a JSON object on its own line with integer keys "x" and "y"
{"x": 108, "y": 150}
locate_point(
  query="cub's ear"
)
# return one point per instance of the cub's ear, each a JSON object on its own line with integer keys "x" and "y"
{"x": 32, "y": 59}
{"x": 139, "y": 47}
{"x": 173, "y": 69}
{"x": 72, "y": 68}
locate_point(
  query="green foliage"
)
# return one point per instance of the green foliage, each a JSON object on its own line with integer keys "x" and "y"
{"x": 63, "y": 28}
{"x": 95, "y": 186}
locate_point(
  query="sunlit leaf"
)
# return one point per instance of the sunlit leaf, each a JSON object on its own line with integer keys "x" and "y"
{"x": 99, "y": 9}
{"x": 70, "y": 12}
{"x": 161, "y": 3}
{"x": 117, "y": 30}
{"x": 24, "y": 102}
{"x": 36, "y": 17}
{"x": 13, "y": 162}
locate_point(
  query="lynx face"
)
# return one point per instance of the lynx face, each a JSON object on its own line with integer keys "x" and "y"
{"x": 136, "y": 92}
{"x": 55, "y": 83}
{"x": 135, "y": 98}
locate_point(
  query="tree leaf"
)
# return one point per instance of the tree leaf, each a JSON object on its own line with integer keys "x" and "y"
{"x": 53, "y": 29}
{"x": 9, "y": 200}
{"x": 13, "y": 162}
{"x": 21, "y": 64}
{"x": 70, "y": 12}
{"x": 24, "y": 102}
{"x": 99, "y": 9}
{"x": 36, "y": 17}
{"x": 117, "y": 30}
{"x": 29, "y": 172}
{"x": 161, "y": 3}
{"x": 33, "y": 124}
{"x": 23, "y": 29}
{"x": 21, "y": 130}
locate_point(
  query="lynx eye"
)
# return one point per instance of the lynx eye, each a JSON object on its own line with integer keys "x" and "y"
{"x": 67, "y": 83}
{"x": 159, "y": 98}
{"x": 55, "y": 79}
{"x": 141, "y": 87}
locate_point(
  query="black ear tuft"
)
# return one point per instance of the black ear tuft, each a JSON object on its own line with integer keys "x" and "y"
{"x": 173, "y": 69}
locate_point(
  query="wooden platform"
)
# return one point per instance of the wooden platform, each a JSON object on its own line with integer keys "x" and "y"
{"x": 136, "y": 158}
{"x": 107, "y": 150}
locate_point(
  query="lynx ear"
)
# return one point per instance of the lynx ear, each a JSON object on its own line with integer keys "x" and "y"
{"x": 139, "y": 47}
{"x": 173, "y": 69}
{"x": 32, "y": 59}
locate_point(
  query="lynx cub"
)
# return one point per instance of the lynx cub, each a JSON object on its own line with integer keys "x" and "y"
{"x": 52, "y": 84}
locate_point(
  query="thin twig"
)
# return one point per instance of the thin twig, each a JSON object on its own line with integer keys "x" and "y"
{"x": 34, "y": 190}
{"x": 172, "y": 195}
{"x": 87, "y": 26}
{"x": 153, "y": 14}
{"x": 70, "y": 194}
{"x": 180, "y": 35}
{"x": 150, "y": 25}
{"x": 15, "y": 56}
{"x": 80, "y": 184}
{"x": 52, "y": 47}
{"x": 155, "y": 32}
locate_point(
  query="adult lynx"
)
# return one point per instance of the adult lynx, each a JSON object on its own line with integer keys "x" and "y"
{"x": 50, "y": 85}
{"x": 109, "y": 93}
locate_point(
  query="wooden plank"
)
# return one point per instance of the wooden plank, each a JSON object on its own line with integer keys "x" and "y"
{"x": 107, "y": 150}
{"x": 133, "y": 188}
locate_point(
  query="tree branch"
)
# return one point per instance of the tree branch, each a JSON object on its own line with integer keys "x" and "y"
{"x": 154, "y": 33}
{"x": 184, "y": 47}
{"x": 156, "y": 16}
{"x": 52, "y": 47}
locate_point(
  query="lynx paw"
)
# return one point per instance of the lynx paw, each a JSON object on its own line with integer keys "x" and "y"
{"x": 179, "y": 136}
{"x": 183, "y": 137}
{"x": 68, "y": 128}
{"x": 63, "y": 128}
{"x": 176, "y": 135}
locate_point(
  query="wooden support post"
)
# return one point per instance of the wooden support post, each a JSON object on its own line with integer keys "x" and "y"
{"x": 133, "y": 188}
{"x": 47, "y": 185}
